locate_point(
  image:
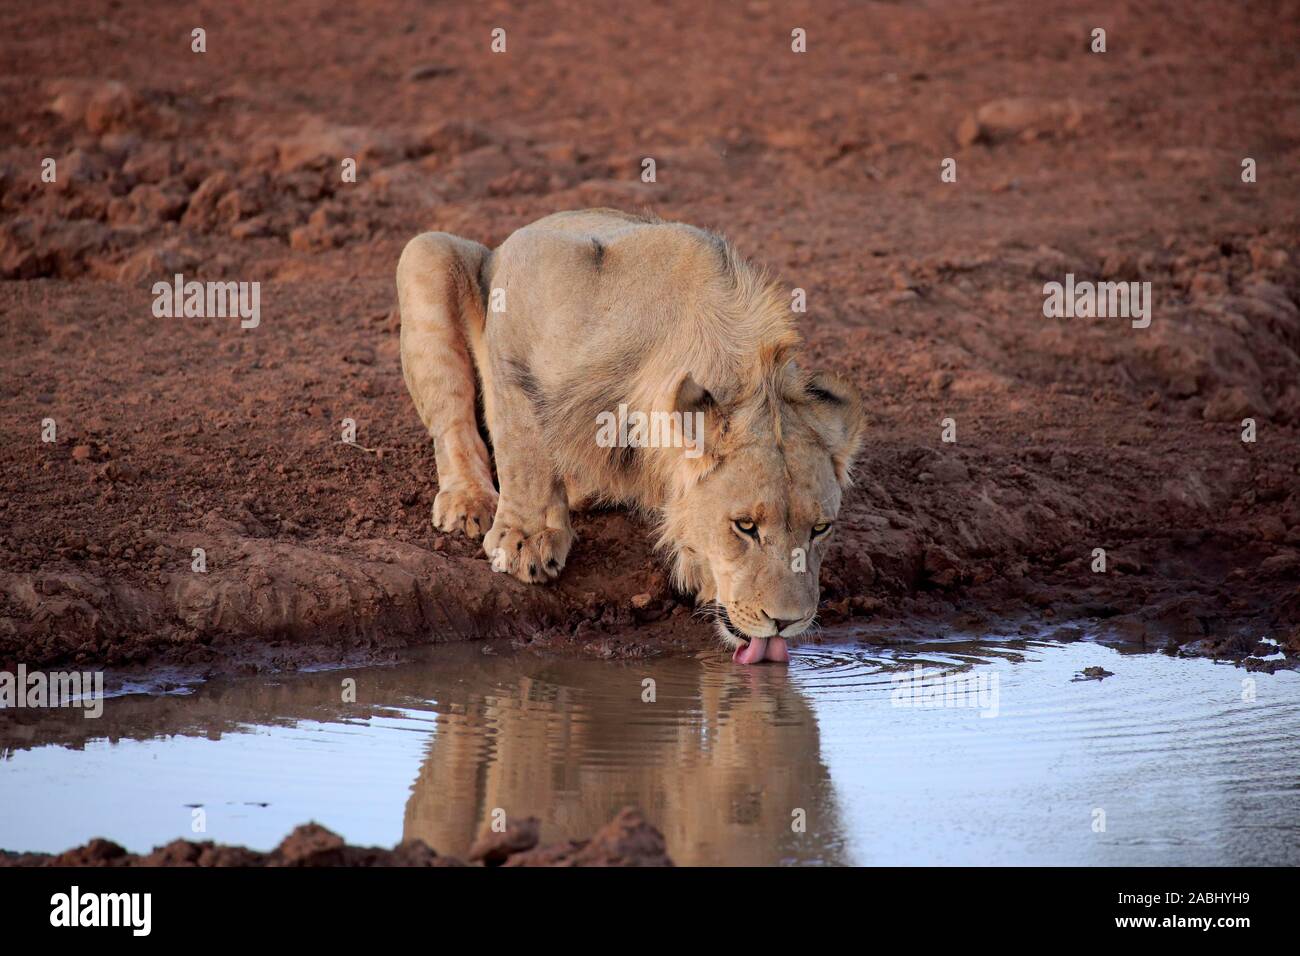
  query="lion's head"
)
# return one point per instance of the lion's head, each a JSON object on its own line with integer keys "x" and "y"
{"x": 748, "y": 526}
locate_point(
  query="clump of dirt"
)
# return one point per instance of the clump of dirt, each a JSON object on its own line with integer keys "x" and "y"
{"x": 1071, "y": 435}
{"x": 627, "y": 840}
{"x": 493, "y": 848}
{"x": 1093, "y": 673}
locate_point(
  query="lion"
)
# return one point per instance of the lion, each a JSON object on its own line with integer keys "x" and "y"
{"x": 587, "y": 314}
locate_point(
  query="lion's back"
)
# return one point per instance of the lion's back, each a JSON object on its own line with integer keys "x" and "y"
{"x": 610, "y": 257}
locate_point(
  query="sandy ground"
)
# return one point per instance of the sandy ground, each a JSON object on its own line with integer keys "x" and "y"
{"x": 1072, "y": 434}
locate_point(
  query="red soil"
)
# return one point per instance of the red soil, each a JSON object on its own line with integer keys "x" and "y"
{"x": 1073, "y": 434}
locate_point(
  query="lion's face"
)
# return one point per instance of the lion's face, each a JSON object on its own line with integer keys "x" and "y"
{"x": 751, "y": 533}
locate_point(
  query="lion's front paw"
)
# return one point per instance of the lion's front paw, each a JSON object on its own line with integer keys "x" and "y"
{"x": 532, "y": 558}
{"x": 464, "y": 509}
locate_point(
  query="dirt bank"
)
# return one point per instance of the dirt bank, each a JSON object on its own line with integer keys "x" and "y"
{"x": 627, "y": 840}
{"x": 1072, "y": 434}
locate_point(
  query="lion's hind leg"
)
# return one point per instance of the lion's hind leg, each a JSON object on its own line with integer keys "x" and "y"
{"x": 442, "y": 324}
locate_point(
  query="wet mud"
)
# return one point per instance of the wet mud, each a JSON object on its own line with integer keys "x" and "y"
{"x": 627, "y": 840}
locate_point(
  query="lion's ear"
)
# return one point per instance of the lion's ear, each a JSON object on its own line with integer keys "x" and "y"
{"x": 704, "y": 424}
{"x": 692, "y": 396}
{"x": 836, "y": 410}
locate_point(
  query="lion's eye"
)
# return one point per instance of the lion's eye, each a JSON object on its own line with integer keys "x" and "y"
{"x": 819, "y": 529}
{"x": 745, "y": 526}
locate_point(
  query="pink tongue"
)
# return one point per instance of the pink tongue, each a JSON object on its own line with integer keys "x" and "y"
{"x": 762, "y": 648}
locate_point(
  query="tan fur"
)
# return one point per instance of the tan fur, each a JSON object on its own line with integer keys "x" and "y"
{"x": 603, "y": 308}
{"x": 762, "y": 753}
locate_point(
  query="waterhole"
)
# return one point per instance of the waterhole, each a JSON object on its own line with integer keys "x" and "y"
{"x": 946, "y": 752}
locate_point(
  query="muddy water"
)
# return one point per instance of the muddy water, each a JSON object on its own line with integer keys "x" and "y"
{"x": 996, "y": 755}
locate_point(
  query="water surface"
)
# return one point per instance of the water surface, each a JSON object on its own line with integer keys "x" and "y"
{"x": 1167, "y": 762}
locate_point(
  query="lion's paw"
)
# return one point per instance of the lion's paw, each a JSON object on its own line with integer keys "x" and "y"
{"x": 532, "y": 558}
{"x": 464, "y": 509}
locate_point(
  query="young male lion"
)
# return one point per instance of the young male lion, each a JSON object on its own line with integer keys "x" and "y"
{"x": 583, "y": 312}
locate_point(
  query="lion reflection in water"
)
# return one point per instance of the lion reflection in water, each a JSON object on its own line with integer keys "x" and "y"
{"x": 720, "y": 763}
